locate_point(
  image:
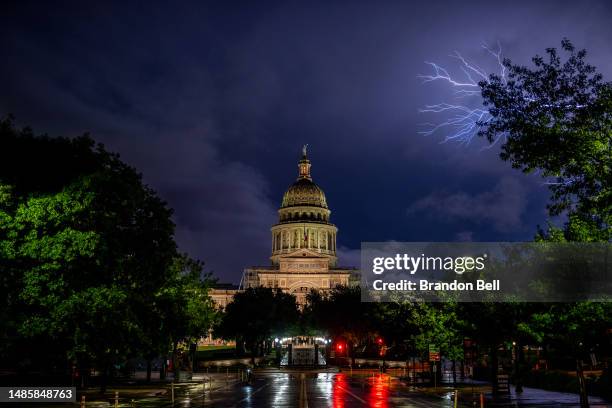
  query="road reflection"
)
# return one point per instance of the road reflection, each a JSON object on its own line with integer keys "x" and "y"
{"x": 281, "y": 389}
{"x": 378, "y": 396}
{"x": 339, "y": 388}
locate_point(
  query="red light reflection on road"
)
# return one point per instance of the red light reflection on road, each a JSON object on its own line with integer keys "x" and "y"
{"x": 339, "y": 394}
{"x": 378, "y": 396}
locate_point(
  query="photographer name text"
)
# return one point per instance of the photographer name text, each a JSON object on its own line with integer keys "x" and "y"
{"x": 425, "y": 285}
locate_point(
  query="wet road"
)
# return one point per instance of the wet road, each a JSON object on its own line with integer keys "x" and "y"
{"x": 321, "y": 390}
{"x": 339, "y": 390}
{"x": 311, "y": 389}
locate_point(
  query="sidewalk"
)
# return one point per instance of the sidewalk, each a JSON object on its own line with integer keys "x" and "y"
{"x": 530, "y": 397}
{"x": 535, "y": 396}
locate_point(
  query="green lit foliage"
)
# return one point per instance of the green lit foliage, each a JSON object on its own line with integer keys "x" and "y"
{"x": 556, "y": 119}
{"x": 88, "y": 256}
{"x": 257, "y": 315}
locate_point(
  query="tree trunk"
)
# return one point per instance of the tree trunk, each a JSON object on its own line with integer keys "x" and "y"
{"x": 253, "y": 348}
{"x": 149, "y": 370}
{"x": 104, "y": 379}
{"x": 423, "y": 369}
{"x": 175, "y": 368}
{"x": 162, "y": 369}
{"x": 82, "y": 371}
{"x": 241, "y": 345}
{"x": 432, "y": 374}
{"x": 520, "y": 364}
{"x": 494, "y": 368}
{"x": 584, "y": 398}
{"x": 454, "y": 368}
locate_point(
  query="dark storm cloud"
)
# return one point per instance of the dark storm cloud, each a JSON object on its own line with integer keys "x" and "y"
{"x": 502, "y": 207}
{"x": 212, "y": 104}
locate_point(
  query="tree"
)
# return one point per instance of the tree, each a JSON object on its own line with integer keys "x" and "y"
{"x": 186, "y": 310}
{"x": 440, "y": 325}
{"x": 556, "y": 118}
{"x": 343, "y": 315}
{"x": 254, "y": 316}
{"x": 87, "y": 252}
{"x": 397, "y": 324}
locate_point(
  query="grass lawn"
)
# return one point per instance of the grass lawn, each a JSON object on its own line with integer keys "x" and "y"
{"x": 211, "y": 348}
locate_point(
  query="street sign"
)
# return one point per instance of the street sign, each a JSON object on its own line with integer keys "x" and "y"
{"x": 503, "y": 383}
{"x": 434, "y": 353}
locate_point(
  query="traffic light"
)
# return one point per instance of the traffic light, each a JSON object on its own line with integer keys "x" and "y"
{"x": 339, "y": 347}
{"x": 380, "y": 341}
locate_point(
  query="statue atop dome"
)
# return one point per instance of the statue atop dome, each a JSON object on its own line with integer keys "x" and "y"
{"x": 304, "y": 165}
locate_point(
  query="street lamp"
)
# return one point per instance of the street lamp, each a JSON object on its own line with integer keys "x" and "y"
{"x": 517, "y": 368}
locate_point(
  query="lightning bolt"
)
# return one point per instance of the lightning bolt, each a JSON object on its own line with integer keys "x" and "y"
{"x": 462, "y": 121}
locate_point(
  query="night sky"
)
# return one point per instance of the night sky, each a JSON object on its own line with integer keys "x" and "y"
{"x": 213, "y": 101}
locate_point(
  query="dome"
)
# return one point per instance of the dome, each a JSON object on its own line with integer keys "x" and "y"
{"x": 303, "y": 220}
{"x": 304, "y": 192}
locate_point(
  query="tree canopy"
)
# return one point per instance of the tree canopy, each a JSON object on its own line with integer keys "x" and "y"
{"x": 88, "y": 255}
{"x": 256, "y": 315}
{"x": 556, "y": 118}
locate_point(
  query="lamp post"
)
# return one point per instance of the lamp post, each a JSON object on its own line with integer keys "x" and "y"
{"x": 278, "y": 349}
{"x": 518, "y": 385}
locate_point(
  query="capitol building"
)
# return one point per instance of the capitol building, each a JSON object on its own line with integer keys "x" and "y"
{"x": 303, "y": 241}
